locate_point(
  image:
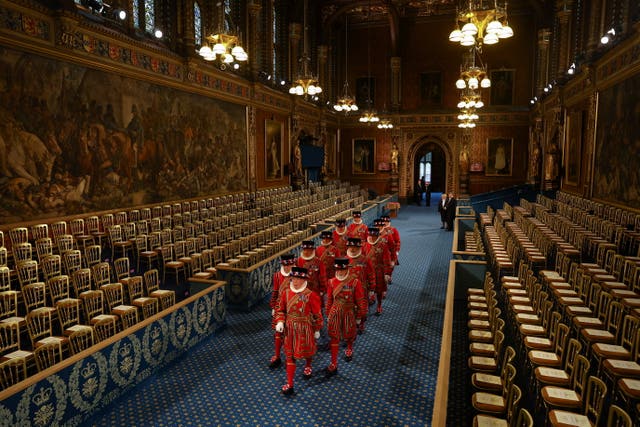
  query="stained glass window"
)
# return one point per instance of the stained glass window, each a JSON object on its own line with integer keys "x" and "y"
{"x": 149, "y": 16}
{"x": 197, "y": 23}
{"x": 136, "y": 14}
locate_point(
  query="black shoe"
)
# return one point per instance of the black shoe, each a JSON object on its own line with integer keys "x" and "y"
{"x": 275, "y": 362}
{"x": 288, "y": 391}
{"x": 331, "y": 372}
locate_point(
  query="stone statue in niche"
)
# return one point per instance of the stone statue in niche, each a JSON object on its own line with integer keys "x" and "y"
{"x": 394, "y": 158}
{"x": 551, "y": 165}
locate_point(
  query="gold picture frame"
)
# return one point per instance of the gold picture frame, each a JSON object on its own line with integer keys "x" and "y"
{"x": 273, "y": 149}
{"x": 363, "y": 156}
{"x": 499, "y": 157}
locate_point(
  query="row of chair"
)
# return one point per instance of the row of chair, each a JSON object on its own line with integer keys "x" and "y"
{"x": 533, "y": 313}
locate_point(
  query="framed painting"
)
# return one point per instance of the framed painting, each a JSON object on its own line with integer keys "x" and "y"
{"x": 499, "y": 157}
{"x": 273, "y": 149}
{"x": 616, "y": 174}
{"x": 431, "y": 88}
{"x": 330, "y": 154}
{"x": 363, "y": 155}
{"x": 502, "y": 82}
{"x": 573, "y": 147}
{"x": 365, "y": 90}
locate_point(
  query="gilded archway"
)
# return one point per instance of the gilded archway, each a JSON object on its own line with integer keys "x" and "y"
{"x": 414, "y": 147}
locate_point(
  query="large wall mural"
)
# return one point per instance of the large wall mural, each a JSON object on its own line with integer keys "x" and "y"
{"x": 617, "y": 157}
{"x": 75, "y": 140}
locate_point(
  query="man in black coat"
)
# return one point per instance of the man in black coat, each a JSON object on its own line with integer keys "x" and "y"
{"x": 442, "y": 209}
{"x": 450, "y": 211}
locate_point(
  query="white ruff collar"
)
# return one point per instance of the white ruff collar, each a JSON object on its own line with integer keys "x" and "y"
{"x": 341, "y": 232}
{"x": 374, "y": 242}
{"x": 341, "y": 277}
{"x": 284, "y": 273}
{"x": 297, "y": 291}
{"x": 350, "y": 254}
{"x": 357, "y": 221}
{"x": 308, "y": 258}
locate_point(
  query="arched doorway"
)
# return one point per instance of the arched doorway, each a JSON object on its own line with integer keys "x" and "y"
{"x": 430, "y": 162}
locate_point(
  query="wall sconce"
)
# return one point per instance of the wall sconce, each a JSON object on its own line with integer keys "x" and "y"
{"x": 608, "y": 36}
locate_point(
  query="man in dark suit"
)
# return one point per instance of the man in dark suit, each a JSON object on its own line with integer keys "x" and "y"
{"x": 427, "y": 190}
{"x": 450, "y": 211}
{"x": 442, "y": 209}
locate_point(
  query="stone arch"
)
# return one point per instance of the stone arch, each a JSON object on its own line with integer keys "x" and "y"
{"x": 415, "y": 146}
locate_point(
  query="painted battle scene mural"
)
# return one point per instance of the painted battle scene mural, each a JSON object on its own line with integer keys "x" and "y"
{"x": 76, "y": 140}
{"x": 617, "y": 157}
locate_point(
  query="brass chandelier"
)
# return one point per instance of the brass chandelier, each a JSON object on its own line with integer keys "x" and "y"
{"x": 225, "y": 47}
{"x": 481, "y": 22}
{"x": 472, "y": 76}
{"x": 306, "y": 83}
{"x": 346, "y": 102}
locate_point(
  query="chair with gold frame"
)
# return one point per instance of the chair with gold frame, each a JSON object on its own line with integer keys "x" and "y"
{"x": 79, "y": 232}
{"x": 105, "y": 328}
{"x": 4, "y": 257}
{"x": 12, "y": 372}
{"x": 591, "y": 410}
{"x": 81, "y": 281}
{"x": 166, "y": 297}
{"x": 44, "y": 248}
{"x": 18, "y": 235}
{"x": 120, "y": 246}
{"x": 93, "y": 305}
{"x": 39, "y": 231}
{"x": 121, "y": 267}
{"x": 47, "y": 355}
{"x": 27, "y": 272}
{"x": 9, "y": 308}
{"x": 92, "y": 255}
{"x": 51, "y": 266}
{"x": 65, "y": 243}
{"x": 22, "y": 252}
{"x": 114, "y": 296}
{"x": 135, "y": 290}
{"x": 40, "y": 328}
{"x": 69, "y": 316}
{"x": 101, "y": 274}
{"x": 58, "y": 229}
{"x": 34, "y": 295}
{"x": 81, "y": 340}
{"x": 72, "y": 262}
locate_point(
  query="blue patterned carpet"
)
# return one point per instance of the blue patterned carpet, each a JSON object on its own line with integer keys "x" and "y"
{"x": 226, "y": 381}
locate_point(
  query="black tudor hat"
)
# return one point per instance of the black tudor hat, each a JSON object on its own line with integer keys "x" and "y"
{"x": 378, "y": 221}
{"x": 356, "y": 213}
{"x": 354, "y": 241}
{"x": 300, "y": 272}
{"x": 374, "y": 231}
{"x": 341, "y": 263}
{"x": 326, "y": 235}
{"x": 341, "y": 222}
{"x": 287, "y": 259}
{"x": 308, "y": 244}
{"x": 386, "y": 218}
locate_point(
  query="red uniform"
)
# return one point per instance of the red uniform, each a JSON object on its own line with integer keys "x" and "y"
{"x": 360, "y": 231}
{"x": 317, "y": 280}
{"x": 363, "y": 269}
{"x": 393, "y": 238}
{"x": 300, "y": 313}
{"x": 328, "y": 254}
{"x": 340, "y": 240}
{"x": 280, "y": 281}
{"x": 346, "y": 302}
{"x": 380, "y": 257}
